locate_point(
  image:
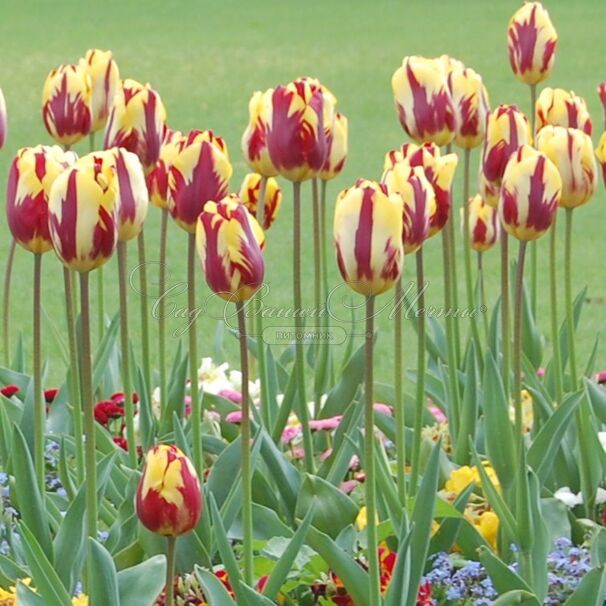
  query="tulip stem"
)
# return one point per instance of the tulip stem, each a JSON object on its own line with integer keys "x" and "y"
{"x": 400, "y": 417}
{"x": 10, "y": 260}
{"x": 171, "y": 552}
{"x": 39, "y": 406}
{"x": 74, "y": 381}
{"x": 420, "y": 395}
{"x": 196, "y": 413}
{"x": 369, "y": 460}
{"x": 161, "y": 311}
{"x": 144, "y": 311}
{"x": 89, "y": 417}
{"x": 533, "y": 245}
{"x": 453, "y": 302}
{"x": 247, "y": 520}
{"x": 101, "y": 302}
{"x": 317, "y": 289}
{"x": 505, "y": 311}
{"x": 471, "y": 299}
{"x": 553, "y": 298}
{"x": 299, "y": 351}
{"x": 483, "y": 306}
{"x": 569, "y": 301}
{"x": 517, "y": 343}
{"x": 125, "y": 357}
{"x": 324, "y": 249}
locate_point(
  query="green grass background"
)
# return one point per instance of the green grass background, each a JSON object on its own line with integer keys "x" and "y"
{"x": 207, "y": 57}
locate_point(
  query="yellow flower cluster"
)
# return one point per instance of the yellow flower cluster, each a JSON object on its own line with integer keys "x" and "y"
{"x": 462, "y": 477}
{"x": 8, "y": 597}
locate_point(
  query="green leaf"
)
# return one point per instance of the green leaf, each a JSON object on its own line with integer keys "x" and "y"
{"x": 469, "y": 410}
{"x": 531, "y": 336}
{"x": 140, "y": 585}
{"x": 590, "y": 591}
{"x": 214, "y": 590}
{"x": 503, "y": 577}
{"x": 398, "y": 586}
{"x": 517, "y": 597}
{"x": 253, "y": 598}
{"x": 105, "y": 351}
{"x": 102, "y": 583}
{"x": 27, "y": 597}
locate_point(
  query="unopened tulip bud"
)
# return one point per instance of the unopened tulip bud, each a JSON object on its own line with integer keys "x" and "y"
{"x": 105, "y": 80}
{"x": 559, "y": 107}
{"x": 250, "y": 192}
{"x": 484, "y": 226}
{"x": 254, "y": 139}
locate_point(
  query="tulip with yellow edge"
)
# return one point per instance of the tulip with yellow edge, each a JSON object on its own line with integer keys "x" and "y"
{"x": 254, "y": 139}
{"x": 250, "y": 191}
{"x": 559, "y": 107}
{"x": 3, "y": 120}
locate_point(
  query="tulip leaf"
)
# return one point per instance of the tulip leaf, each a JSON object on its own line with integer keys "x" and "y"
{"x": 469, "y": 410}
{"x": 27, "y": 597}
{"x": 517, "y": 597}
{"x": 445, "y": 537}
{"x": 576, "y": 314}
{"x": 590, "y": 591}
{"x": 141, "y": 585}
{"x": 102, "y": 582}
{"x": 531, "y": 337}
{"x": 503, "y": 577}
{"x": 597, "y": 397}
{"x": 214, "y": 590}
{"x": 104, "y": 352}
{"x": 253, "y": 598}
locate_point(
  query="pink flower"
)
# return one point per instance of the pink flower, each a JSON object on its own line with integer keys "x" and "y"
{"x": 438, "y": 415}
{"x": 326, "y": 454}
{"x": 231, "y": 394}
{"x": 601, "y": 377}
{"x": 382, "y": 408}
{"x": 348, "y": 486}
{"x": 325, "y": 424}
{"x": 540, "y": 372}
{"x": 290, "y": 433}
{"x": 298, "y": 453}
{"x": 187, "y": 402}
{"x": 234, "y": 417}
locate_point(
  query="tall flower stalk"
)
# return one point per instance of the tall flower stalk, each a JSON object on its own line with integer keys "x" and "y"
{"x": 6, "y": 297}
{"x": 39, "y": 404}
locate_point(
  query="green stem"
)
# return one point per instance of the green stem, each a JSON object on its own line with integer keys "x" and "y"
{"x": 299, "y": 351}
{"x": 569, "y": 300}
{"x": 101, "y": 302}
{"x": 317, "y": 283}
{"x": 10, "y": 260}
{"x": 161, "y": 312}
{"x": 534, "y": 280}
{"x": 125, "y": 356}
{"x": 420, "y": 394}
{"x": 555, "y": 334}
{"x": 517, "y": 343}
{"x": 400, "y": 417}
{"x": 505, "y": 345}
{"x": 89, "y": 416}
{"x": 171, "y": 552}
{"x": 483, "y": 299}
{"x": 196, "y": 412}
{"x": 324, "y": 252}
{"x": 454, "y": 290}
{"x": 39, "y": 406}
{"x": 144, "y": 311}
{"x": 369, "y": 461}
{"x": 74, "y": 375}
{"x": 247, "y": 519}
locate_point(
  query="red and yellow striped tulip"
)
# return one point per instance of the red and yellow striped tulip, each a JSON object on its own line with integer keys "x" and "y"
{"x": 418, "y": 199}
{"x": 157, "y": 178}
{"x": 602, "y": 95}
{"x": 532, "y": 42}
{"x": 559, "y": 107}
{"x": 296, "y": 139}
{"x": 31, "y": 175}
{"x": 600, "y": 152}
{"x": 530, "y": 194}
{"x": 169, "y": 496}
{"x": 471, "y": 106}
{"x": 82, "y": 217}
{"x": 507, "y": 129}
{"x": 337, "y": 148}
{"x": 368, "y": 236}
{"x": 105, "y": 80}
{"x": 571, "y": 151}
{"x": 249, "y": 194}
{"x": 484, "y": 226}
{"x": 137, "y": 122}
{"x": 423, "y": 101}
{"x": 488, "y": 191}
{"x": 200, "y": 172}
{"x": 3, "y": 120}
{"x": 229, "y": 242}
{"x": 67, "y": 104}
{"x": 254, "y": 139}
{"x": 439, "y": 170}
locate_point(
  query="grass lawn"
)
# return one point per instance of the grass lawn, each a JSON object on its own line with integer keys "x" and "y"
{"x": 206, "y": 58}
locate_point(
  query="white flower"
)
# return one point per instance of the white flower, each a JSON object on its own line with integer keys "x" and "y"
{"x": 156, "y": 403}
{"x": 212, "y": 378}
{"x": 568, "y": 497}
{"x": 600, "y": 496}
{"x": 602, "y": 438}
{"x": 254, "y": 387}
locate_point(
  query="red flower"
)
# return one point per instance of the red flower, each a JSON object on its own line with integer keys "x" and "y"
{"x": 10, "y": 390}
{"x": 118, "y": 398}
{"x": 107, "y": 410}
{"x": 424, "y": 595}
{"x": 121, "y": 442}
{"x": 50, "y": 395}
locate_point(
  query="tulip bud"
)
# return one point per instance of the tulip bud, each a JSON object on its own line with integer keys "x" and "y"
{"x": 471, "y": 106}
{"x": 296, "y": 140}
{"x": 507, "y": 129}
{"x": 229, "y": 242}
{"x": 67, "y": 104}
{"x": 530, "y": 194}
{"x": 484, "y": 226}
{"x": 157, "y": 178}
{"x": 418, "y": 199}
{"x": 32, "y": 173}
{"x": 532, "y": 42}
{"x": 82, "y": 217}
{"x": 254, "y": 139}
{"x": 489, "y": 191}
{"x": 368, "y": 236}
{"x": 571, "y": 151}
{"x": 600, "y": 152}
{"x": 3, "y": 121}
{"x": 337, "y": 148}
{"x": 602, "y": 95}
{"x": 439, "y": 171}
{"x": 200, "y": 172}
{"x": 105, "y": 80}
{"x": 137, "y": 122}
{"x": 558, "y": 107}
{"x": 424, "y": 104}
{"x": 169, "y": 497}
{"x": 249, "y": 194}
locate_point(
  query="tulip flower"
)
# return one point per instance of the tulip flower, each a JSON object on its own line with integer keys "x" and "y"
{"x": 32, "y": 173}
{"x": 558, "y": 107}
{"x": 132, "y": 194}
{"x": 368, "y": 236}
{"x": 507, "y": 129}
{"x": 67, "y": 104}
{"x": 489, "y": 191}
{"x": 3, "y": 121}
{"x": 484, "y": 224}
{"x": 530, "y": 193}
{"x": 169, "y": 497}
{"x": 600, "y": 152}
{"x": 137, "y": 122}
{"x": 254, "y": 139}
{"x": 602, "y": 95}
{"x": 157, "y": 178}
{"x": 423, "y": 101}
{"x": 272, "y": 199}
{"x": 532, "y": 42}
{"x": 337, "y": 148}
{"x": 105, "y": 81}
